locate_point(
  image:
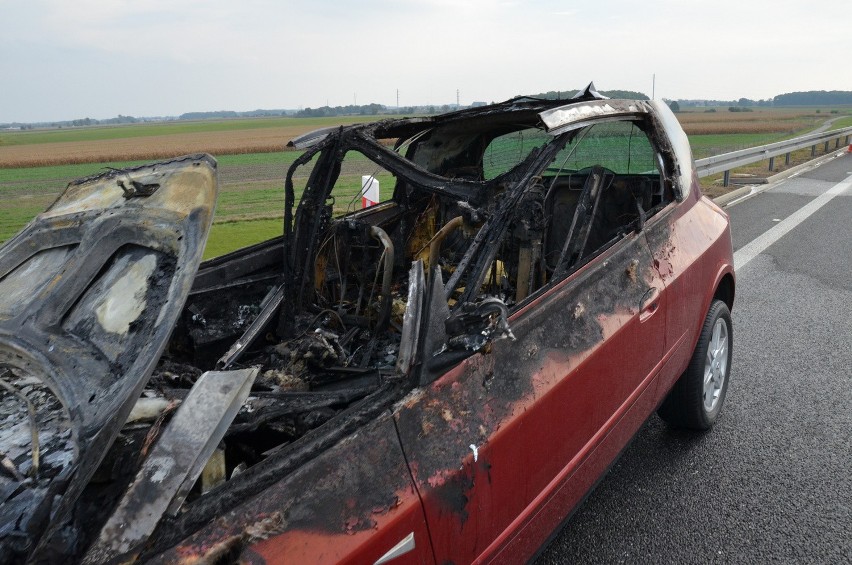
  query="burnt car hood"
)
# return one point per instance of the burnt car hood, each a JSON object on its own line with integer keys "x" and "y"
{"x": 89, "y": 294}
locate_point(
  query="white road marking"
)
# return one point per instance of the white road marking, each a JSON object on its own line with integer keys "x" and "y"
{"x": 743, "y": 197}
{"x": 759, "y": 244}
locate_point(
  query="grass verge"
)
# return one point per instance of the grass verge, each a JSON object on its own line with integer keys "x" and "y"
{"x": 231, "y": 236}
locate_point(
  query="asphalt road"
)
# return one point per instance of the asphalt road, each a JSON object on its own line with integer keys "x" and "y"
{"x": 772, "y": 482}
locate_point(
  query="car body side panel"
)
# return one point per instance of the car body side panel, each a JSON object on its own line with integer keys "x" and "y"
{"x": 697, "y": 263}
{"x": 351, "y": 504}
{"x": 559, "y": 499}
{"x": 691, "y": 247}
{"x": 488, "y": 437}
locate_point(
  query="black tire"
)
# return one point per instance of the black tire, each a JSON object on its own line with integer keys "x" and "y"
{"x": 687, "y": 405}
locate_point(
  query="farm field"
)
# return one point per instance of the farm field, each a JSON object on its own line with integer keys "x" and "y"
{"x": 35, "y": 166}
{"x": 147, "y": 142}
{"x": 249, "y": 208}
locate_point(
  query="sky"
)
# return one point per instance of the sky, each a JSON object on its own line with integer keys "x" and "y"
{"x": 68, "y": 59}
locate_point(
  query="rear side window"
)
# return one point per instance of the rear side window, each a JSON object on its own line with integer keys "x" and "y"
{"x": 507, "y": 151}
{"x": 621, "y": 147}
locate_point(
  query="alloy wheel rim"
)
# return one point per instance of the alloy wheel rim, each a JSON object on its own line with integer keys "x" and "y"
{"x": 716, "y": 365}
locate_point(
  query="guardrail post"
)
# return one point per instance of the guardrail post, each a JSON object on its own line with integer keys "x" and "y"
{"x": 847, "y": 140}
{"x": 826, "y": 147}
{"x": 837, "y": 143}
{"x": 772, "y": 163}
{"x": 787, "y": 159}
{"x": 813, "y": 150}
{"x": 726, "y": 178}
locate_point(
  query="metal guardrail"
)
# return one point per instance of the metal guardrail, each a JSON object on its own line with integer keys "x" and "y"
{"x": 727, "y": 161}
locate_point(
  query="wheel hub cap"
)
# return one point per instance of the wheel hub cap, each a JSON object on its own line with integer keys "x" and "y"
{"x": 716, "y": 365}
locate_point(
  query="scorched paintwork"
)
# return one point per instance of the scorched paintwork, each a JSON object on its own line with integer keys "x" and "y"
{"x": 438, "y": 378}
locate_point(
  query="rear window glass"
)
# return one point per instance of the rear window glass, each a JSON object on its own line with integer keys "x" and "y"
{"x": 621, "y": 147}
{"x": 507, "y": 151}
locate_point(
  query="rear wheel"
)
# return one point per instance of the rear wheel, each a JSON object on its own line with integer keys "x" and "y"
{"x": 696, "y": 399}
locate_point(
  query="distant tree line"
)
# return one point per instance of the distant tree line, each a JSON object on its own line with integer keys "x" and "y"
{"x": 76, "y": 123}
{"x": 814, "y": 98}
{"x": 219, "y": 114}
{"x": 351, "y": 110}
{"x": 208, "y": 115}
{"x": 741, "y": 103}
{"x": 92, "y": 122}
{"x": 810, "y": 98}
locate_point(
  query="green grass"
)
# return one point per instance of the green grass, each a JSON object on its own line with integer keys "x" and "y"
{"x": 842, "y": 123}
{"x": 62, "y": 174}
{"x": 15, "y": 217}
{"x": 231, "y": 236}
{"x": 54, "y": 178}
{"x": 714, "y": 144}
{"x": 123, "y": 131}
{"x": 251, "y": 194}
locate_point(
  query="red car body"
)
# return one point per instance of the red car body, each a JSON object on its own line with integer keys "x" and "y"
{"x": 491, "y": 450}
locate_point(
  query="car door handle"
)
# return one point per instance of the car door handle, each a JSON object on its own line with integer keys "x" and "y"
{"x": 650, "y": 303}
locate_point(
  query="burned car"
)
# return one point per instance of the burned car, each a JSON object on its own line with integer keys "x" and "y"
{"x": 439, "y": 377}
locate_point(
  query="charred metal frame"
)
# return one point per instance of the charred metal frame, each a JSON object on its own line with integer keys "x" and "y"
{"x": 431, "y": 320}
{"x": 300, "y": 246}
{"x": 562, "y": 121}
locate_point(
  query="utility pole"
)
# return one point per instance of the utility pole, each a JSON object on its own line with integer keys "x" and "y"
{"x": 457, "y": 99}
{"x": 653, "y": 85}
{"x": 397, "y": 99}
{"x": 354, "y": 98}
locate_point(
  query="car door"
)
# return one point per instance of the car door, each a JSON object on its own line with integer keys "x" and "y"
{"x": 89, "y": 293}
{"x": 500, "y": 436}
